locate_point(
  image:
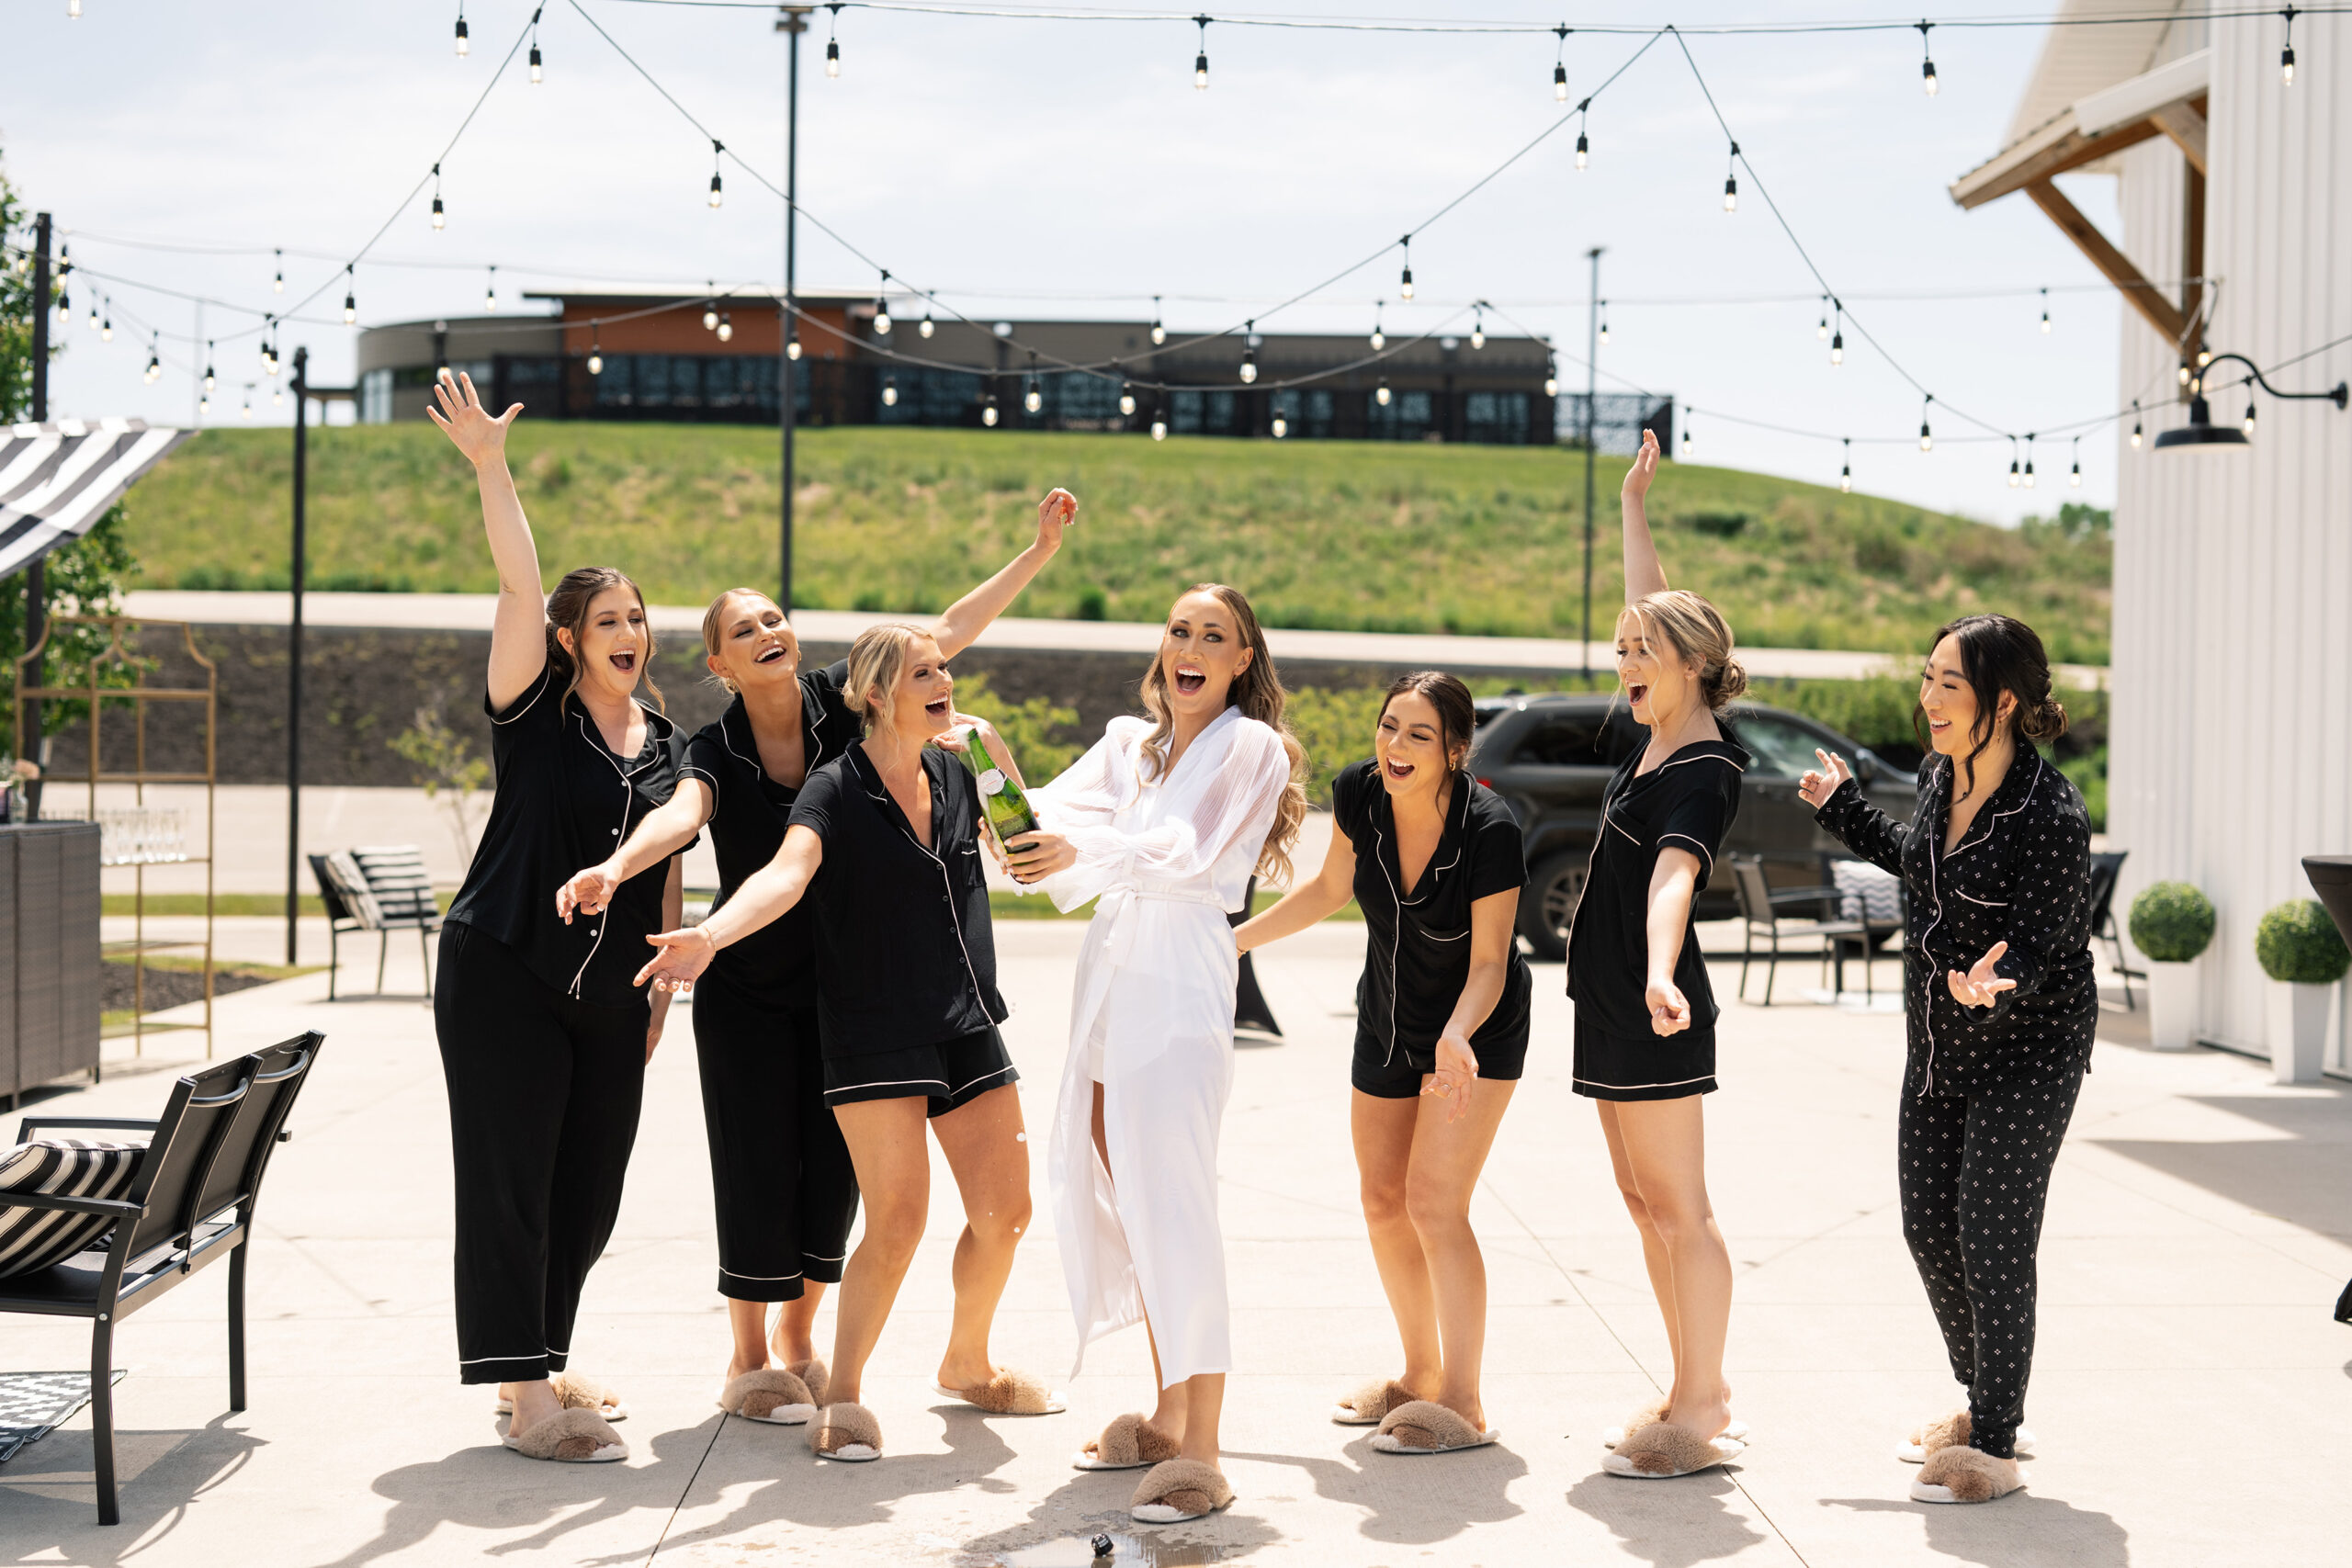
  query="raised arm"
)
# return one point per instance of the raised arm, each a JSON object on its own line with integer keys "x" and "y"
{"x": 1644, "y": 573}
{"x": 666, "y": 830}
{"x": 518, "y": 638}
{"x": 969, "y": 616}
{"x": 768, "y": 894}
{"x": 1308, "y": 902}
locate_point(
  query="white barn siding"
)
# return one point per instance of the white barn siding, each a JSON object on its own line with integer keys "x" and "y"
{"x": 2231, "y": 746}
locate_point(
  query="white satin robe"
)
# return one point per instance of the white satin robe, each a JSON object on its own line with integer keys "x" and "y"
{"x": 1167, "y": 859}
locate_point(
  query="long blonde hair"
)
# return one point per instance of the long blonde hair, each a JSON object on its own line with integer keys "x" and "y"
{"x": 877, "y": 659}
{"x": 1698, "y": 632}
{"x": 1257, "y": 692}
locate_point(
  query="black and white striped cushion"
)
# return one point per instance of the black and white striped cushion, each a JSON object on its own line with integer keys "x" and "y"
{"x": 33, "y": 1239}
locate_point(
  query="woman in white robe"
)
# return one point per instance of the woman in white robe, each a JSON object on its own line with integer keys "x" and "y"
{"x": 1163, "y": 821}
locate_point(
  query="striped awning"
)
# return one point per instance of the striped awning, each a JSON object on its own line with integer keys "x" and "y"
{"x": 58, "y": 480}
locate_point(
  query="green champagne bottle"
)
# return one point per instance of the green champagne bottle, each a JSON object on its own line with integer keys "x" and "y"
{"x": 1008, "y": 808}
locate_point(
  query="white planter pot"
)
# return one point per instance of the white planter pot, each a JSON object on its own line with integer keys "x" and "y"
{"x": 2172, "y": 1005}
{"x": 2298, "y": 1030}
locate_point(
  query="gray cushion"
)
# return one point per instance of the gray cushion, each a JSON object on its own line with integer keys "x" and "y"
{"x": 33, "y": 1239}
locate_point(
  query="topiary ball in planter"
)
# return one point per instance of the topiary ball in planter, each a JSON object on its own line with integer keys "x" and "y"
{"x": 2297, "y": 942}
{"x": 2171, "y": 922}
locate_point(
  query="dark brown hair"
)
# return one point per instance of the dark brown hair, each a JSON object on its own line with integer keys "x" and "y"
{"x": 1998, "y": 654}
{"x": 1457, "y": 714}
{"x": 1257, "y": 692}
{"x": 568, "y": 611}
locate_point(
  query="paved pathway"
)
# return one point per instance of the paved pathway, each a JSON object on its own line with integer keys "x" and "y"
{"x": 2190, "y": 1397}
{"x": 472, "y": 612}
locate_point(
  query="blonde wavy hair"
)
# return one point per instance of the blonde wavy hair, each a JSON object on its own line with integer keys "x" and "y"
{"x": 1696, "y": 631}
{"x": 876, "y": 661}
{"x": 1257, "y": 692}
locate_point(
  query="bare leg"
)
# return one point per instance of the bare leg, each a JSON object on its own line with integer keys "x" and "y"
{"x": 1170, "y": 1405}
{"x": 1203, "y": 1404}
{"x": 748, "y": 1323}
{"x": 1665, "y": 1144}
{"x": 1383, "y": 1130}
{"x": 985, "y": 1149}
{"x": 1447, "y": 1159}
{"x": 534, "y": 1402}
{"x": 893, "y": 1162}
{"x": 792, "y": 1339}
{"x": 1654, "y": 1258}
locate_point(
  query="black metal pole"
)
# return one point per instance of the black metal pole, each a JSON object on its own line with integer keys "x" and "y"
{"x": 1591, "y": 393}
{"x": 793, "y": 23}
{"x": 36, "y": 585}
{"x": 294, "y": 651}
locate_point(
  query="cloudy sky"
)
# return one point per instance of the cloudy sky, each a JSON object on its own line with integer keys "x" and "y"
{"x": 1040, "y": 167}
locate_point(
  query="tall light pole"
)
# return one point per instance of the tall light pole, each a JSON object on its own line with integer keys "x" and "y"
{"x": 1591, "y": 393}
{"x": 794, "y": 22}
{"x": 36, "y": 589}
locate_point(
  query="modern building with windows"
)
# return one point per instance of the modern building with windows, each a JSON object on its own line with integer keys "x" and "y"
{"x": 623, "y": 354}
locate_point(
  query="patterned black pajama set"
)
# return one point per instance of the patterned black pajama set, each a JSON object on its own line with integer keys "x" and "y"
{"x": 1986, "y": 1091}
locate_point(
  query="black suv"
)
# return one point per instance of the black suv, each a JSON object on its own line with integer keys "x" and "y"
{"x": 1551, "y": 757}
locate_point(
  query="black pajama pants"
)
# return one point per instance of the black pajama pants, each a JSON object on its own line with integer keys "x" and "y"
{"x": 1975, "y": 1171}
{"x": 544, "y": 1090}
{"x": 779, "y": 1170}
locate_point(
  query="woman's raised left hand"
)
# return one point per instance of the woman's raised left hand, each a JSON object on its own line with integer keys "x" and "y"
{"x": 1980, "y": 987}
{"x": 1056, "y": 515}
{"x": 1032, "y": 856}
{"x": 1455, "y": 1077}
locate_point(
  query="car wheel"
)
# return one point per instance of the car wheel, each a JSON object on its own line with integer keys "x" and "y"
{"x": 1550, "y": 903}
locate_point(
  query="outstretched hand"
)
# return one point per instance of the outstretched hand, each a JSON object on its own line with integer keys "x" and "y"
{"x": 1056, "y": 515}
{"x": 588, "y": 892}
{"x": 685, "y": 956}
{"x": 1817, "y": 787}
{"x": 1980, "y": 987}
{"x": 1644, "y": 469}
{"x": 469, "y": 424}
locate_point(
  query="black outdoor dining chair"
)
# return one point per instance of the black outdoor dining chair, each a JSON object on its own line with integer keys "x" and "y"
{"x": 190, "y": 1203}
{"x": 2107, "y": 867}
{"x": 1761, "y": 906}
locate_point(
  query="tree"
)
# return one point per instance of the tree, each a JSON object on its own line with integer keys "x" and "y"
{"x": 82, "y": 578}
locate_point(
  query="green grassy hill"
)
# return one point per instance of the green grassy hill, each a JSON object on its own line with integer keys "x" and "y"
{"x": 1354, "y": 536}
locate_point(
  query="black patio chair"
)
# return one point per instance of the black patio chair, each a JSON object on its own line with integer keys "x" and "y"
{"x": 1880, "y": 903}
{"x": 2107, "y": 867}
{"x": 190, "y": 1204}
{"x": 382, "y": 888}
{"x": 1761, "y": 906}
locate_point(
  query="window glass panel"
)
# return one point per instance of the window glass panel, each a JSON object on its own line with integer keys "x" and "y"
{"x": 1781, "y": 750}
{"x": 1562, "y": 743}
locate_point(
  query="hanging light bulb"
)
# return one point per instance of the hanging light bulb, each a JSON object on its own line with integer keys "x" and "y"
{"x": 710, "y": 307}
{"x": 716, "y": 147}
{"x": 1478, "y": 330}
{"x": 1584, "y": 146}
{"x": 1405, "y": 284}
{"x": 2014, "y": 478}
{"x": 595, "y": 351}
{"x": 538, "y": 76}
{"x": 2204, "y": 357}
{"x": 2184, "y": 373}
{"x": 1127, "y": 399}
{"x": 277, "y": 284}
{"x": 106, "y": 327}
{"x": 1379, "y": 338}
{"x": 2287, "y": 55}
{"x": 1034, "y": 397}
{"x": 463, "y": 45}
{"x": 2045, "y": 312}
{"x": 889, "y": 392}
{"x": 72, "y": 10}
{"x": 1159, "y": 424}
{"x": 1249, "y": 353}
{"x": 1551, "y": 379}
{"x": 2074, "y": 474}
{"x": 1731, "y": 181}
{"x": 1837, "y": 345}
{"x": 2135, "y": 424}
{"x": 203, "y": 407}
{"x": 2029, "y": 462}
{"x": 276, "y": 397}
{"x": 155, "y": 359}
{"x": 988, "y": 411}
{"x": 209, "y": 380}
{"x": 1380, "y": 393}
{"x": 247, "y": 411}
{"x": 489, "y": 292}
{"x": 1926, "y": 440}
{"x": 1604, "y": 320}
{"x": 2246, "y": 425}
{"x": 1158, "y": 333}
{"x": 1927, "y": 59}
{"x": 882, "y": 311}
{"x": 792, "y": 345}
{"x": 1201, "y": 60}
{"x": 832, "y": 43}
{"x": 350, "y": 298}
{"x": 1560, "y": 65}
{"x": 93, "y": 315}
{"x": 726, "y": 327}
{"x": 1821, "y": 333}
{"x": 926, "y": 326}
{"x": 1846, "y": 474}
{"x": 1687, "y": 442}
{"x": 1280, "y": 425}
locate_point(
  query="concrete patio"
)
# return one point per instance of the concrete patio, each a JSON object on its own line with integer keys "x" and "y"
{"x": 2201, "y": 1228}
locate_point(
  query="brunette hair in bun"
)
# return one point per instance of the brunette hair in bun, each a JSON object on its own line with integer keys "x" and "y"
{"x": 1998, "y": 654}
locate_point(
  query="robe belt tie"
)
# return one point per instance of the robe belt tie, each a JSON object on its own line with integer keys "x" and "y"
{"x": 1118, "y": 903}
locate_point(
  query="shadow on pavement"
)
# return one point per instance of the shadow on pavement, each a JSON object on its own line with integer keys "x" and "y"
{"x": 1414, "y": 1500}
{"x": 2304, "y": 1177}
{"x": 48, "y": 1490}
{"x": 1097, "y": 1501}
{"x": 2019, "y": 1530}
{"x": 1676, "y": 1524}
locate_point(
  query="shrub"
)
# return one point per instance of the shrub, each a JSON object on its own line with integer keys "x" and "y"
{"x": 2298, "y": 943}
{"x": 2171, "y": 922}
{"x": 1043, "y": 738}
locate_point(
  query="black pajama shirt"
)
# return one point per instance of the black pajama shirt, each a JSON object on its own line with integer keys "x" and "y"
{"x": 1986, "y": 1091}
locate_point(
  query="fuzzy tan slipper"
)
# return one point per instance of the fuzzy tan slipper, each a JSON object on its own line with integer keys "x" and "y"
{"x": 576, "y": 1393}
{"x": 1424, "y": 1426}
{"x": 1129, "y": 1442}
{"x": 814, "y": 1374}
{"x": 768, "y": 1395}
{"x": 1660, "y": 1452}
{"x": 1951, "y": 1431}
{"x": 846, "y": 1432}
{"x": 571, "y": 1436}
{"x": 1656, "y": 1411}
{"x": 1958, "y": 1474}
{"x": 1178, "y": 1490}
{"x": 1369, "y": 1404}
{"x": 1008, "y": 1394}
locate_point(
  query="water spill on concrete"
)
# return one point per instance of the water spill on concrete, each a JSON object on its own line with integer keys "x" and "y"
{"x": 1126, "y": 1552}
